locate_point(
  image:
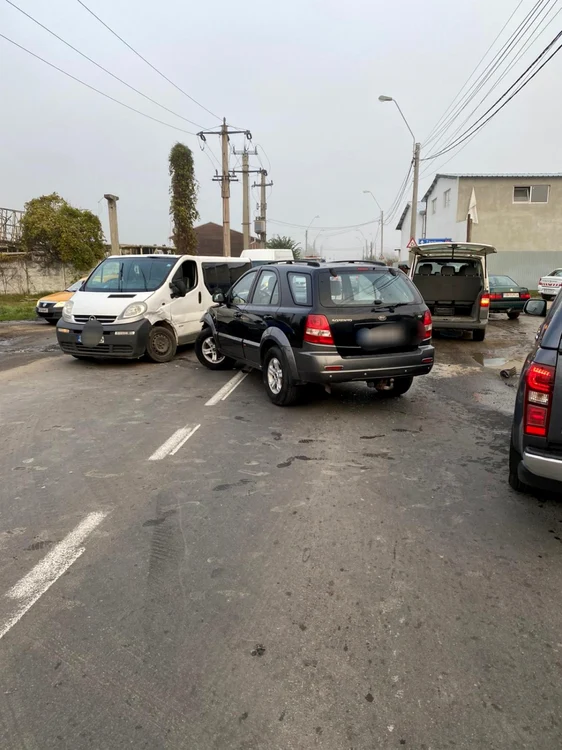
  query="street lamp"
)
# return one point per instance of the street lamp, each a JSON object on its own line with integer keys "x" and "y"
{"x": 306, "y": 233}
{"x": 381, "y": 219}
{"x": 417, "y": 147}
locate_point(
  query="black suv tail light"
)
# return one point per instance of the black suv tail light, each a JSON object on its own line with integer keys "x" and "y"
{"x": 317, "y": 330}
{"x": 539, "y": 386}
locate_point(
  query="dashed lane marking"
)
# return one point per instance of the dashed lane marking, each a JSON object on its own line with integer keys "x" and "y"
{"x": 40, "y": 578}
{"x": 175, "y": 442}
{"x": 224, "y": 392}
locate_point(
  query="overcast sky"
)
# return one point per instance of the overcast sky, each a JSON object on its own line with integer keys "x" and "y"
{"x": 304, "y": 76}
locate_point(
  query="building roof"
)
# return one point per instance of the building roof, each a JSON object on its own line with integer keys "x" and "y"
{"x": 507, "y": 175}
{"x": 421, "y": 210}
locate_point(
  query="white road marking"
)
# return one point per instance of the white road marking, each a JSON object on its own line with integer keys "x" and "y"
{"x": 174, "y": 443}
{"x": 224, "y": 392}
{"x": 56, "y": 562}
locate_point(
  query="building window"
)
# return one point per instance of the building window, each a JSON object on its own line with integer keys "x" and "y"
{"x": 531, "y": 193}
{"x": 434, "y": 206}
{"x": 447, "y": 198}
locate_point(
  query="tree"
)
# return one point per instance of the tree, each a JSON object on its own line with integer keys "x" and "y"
{"x": 183, "y": 201}
{"x": 62, "y": 233}
{"x": 285, "y": 243}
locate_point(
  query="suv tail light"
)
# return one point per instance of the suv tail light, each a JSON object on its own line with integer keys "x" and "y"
{"x": 485, "y": 300}
{"x": 539, "y": 386}
{"x": 317, "y": 330}
{"x": 426, "y": 327}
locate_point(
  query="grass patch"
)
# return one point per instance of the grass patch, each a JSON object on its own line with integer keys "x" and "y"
{"x": 19, "y": 306}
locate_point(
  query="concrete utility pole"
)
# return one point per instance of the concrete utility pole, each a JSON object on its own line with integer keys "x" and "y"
{"x": 416, "y": 161}
{"x": 381, "y": 220}
{"x": 261, "y": 222}
{"x": 113, "y": 226}
{"x": 245, "y": 191}
{"x": 414, "y": 216}
{"x": 225, "y": 178}
{"x": 306, "y": 234}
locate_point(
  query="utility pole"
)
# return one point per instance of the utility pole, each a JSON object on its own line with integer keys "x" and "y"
{"x": 261, "y": 221}
{"x": 414, "y": 216}
{"x": 225, "y": 178}
{"x": 113, "y": 226}
{"x": 382, "y": 234}
{"x": 245, "y": 191}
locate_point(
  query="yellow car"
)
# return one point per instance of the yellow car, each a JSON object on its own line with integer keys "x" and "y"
{"x": 50, "y": 307}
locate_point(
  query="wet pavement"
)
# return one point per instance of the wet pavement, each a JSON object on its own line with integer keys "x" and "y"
{"x": 351, "y": 573}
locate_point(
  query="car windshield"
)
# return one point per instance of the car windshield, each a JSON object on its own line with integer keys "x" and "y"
{"x": 358, "y": 287}
{"x": 75, "y": 287}
{"x": 133, "y": 274}
{"x": 502, "y": 281}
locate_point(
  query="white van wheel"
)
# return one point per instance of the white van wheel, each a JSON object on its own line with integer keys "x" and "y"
{"x": 161, "y": 345}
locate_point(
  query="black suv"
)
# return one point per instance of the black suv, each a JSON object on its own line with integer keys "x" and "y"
{"x": 326, "y": 323}
{"x": 535, "y": 455}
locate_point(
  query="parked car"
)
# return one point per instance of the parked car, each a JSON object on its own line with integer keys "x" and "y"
{"x": 452, "y": 278}
{"x": 319, "y": 323}
{"x": 549, "y": 285}
{"x": 535, "y": 454}
{"x": 49, "y": 308}
{"x": 132, "y": 305}
{"x": 507, "y": 296}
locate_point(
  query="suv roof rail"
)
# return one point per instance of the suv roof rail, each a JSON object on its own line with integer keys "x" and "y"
{"x": 363, "y": 262}
{"x": 297, "y": 262}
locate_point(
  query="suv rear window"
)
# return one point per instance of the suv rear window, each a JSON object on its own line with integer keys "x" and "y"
{"x": 356, "y": 288}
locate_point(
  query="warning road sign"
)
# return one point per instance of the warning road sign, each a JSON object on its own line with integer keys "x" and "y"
{"x": 411, "y": 244}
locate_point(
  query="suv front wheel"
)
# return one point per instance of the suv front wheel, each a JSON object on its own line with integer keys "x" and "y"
{"x": 208, "y": 354}
{"x": 277, "y": 378}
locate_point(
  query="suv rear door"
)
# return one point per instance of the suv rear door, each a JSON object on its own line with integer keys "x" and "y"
{"x": 371, "y": 309}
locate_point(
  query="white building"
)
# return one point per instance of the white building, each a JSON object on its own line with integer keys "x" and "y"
{"x": 403, "y": 227}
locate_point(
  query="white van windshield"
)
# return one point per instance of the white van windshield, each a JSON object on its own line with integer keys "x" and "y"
{"x": 133, "y": 274}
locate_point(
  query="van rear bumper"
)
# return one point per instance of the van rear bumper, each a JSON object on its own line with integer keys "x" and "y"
{"x": 458, "y": 323}
{"x": 125, "y": 341}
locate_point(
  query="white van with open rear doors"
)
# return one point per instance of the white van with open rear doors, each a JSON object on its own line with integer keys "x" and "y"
{"x": 132, "y": 305}
{"x": 452, "y": 278}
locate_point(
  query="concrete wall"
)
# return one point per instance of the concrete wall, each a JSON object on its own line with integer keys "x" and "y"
{"x": 444, "y": 222}
{"x": 513, "y": 226}
{"x": 525, "y": 267}
{"x": 21, "y": 274}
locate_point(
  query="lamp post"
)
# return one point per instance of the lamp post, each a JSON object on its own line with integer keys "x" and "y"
{"x": 306, "y": 234}
{"x": 381, "y": 220}
{"x": 417, "y": 147}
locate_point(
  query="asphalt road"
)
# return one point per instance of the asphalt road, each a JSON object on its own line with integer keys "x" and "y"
{"x": 352, "y": 573}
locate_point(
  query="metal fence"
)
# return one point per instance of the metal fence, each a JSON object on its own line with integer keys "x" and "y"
{"x": 525, "y": 267}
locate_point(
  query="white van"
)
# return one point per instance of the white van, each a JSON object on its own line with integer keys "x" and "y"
{"x": 132, "y": 305}
{"x": 452, "y": 278}
{"x": 261, "y": 256}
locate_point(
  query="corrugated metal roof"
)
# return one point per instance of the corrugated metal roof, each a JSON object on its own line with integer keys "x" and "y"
{"x": 507, "y": 175}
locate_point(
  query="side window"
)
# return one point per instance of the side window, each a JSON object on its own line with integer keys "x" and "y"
{"x": 240, "y": 292}
{"x": 299, "y": 284}
{"x": 267, "y": 289}
{"x": 216, "y": 277}
{"x": 235, "y": 271}
{"x": 187, "y": 273}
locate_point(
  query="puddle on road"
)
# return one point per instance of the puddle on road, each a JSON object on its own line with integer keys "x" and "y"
{"x": 489, "y": 361}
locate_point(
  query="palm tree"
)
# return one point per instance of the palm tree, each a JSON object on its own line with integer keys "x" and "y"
{"x": 278, "y": 242}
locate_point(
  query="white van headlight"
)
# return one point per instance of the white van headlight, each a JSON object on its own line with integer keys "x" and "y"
{"x": 67, "y": 311}
{"x": 134, "y": 310}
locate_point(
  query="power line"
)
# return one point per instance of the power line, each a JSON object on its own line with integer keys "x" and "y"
{"x": 305, "y": 226}
{"x": 516, "y": 39}
{"x": 93, "y": 88}
{"x": 538, "y": 31}
{"x": 467, "y": 134}
{"x": 138, "y": 54}
{"x": 428, "y": 139}
{"x": 101, "y": 67}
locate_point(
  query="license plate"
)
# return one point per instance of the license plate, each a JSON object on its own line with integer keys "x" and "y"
{"x": 41, "y": 311}
{"x": 79, "y": 340}
{"x": 511, "y": 294}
